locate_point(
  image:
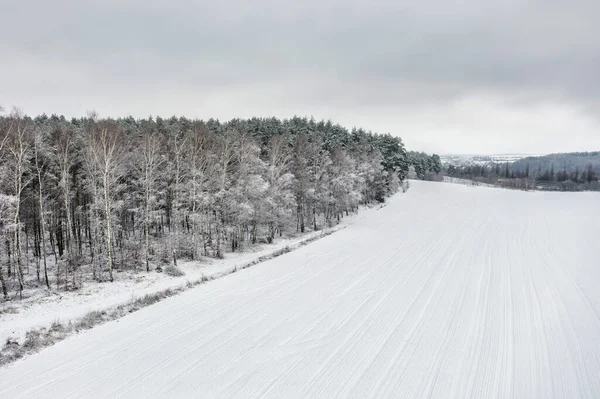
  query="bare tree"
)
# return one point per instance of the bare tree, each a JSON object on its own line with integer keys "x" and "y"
{"x": 179, "y": 147}
{"x": 18, "y": 149}
{"x": 300, "y": 170}
{"x": 5, "y": 127}
{"x": 64, "y": 139}
{"x": 200, "y": 167}
{"x": 226, "y": 152}
{"x": 280, "y": 180}
{"x": 39, "y": 171}
{"x": 106, "y": 144}
{"x": 150, "y": 161}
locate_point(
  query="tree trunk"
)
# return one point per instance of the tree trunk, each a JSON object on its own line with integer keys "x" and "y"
{"x": 42, "y": 231}
{"x": 4, "y": 290}
{"x": 107, "y": 229}
{"x": 17, "y": 243}
{"x": 147, "y": 225}
{"x": 17, "y": 235}
{"x": 8, "y": 256}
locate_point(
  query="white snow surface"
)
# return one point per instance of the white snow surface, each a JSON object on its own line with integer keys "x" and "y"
{"x": 46, "y": 307}
{"x": 450, "y": 291}
{"x": 467, "y": 182}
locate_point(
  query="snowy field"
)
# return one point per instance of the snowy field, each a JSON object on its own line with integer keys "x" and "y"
{"x": 466, "y": 182}
{"x": 449, "y": 291}
{"x": 46, "y": 307}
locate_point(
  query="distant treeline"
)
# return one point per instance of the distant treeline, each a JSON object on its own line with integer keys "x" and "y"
{"x": 81, "y": 197}
{"x": 558, "y": 172}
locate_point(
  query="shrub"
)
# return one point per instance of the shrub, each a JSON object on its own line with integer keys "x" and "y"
{"x": 174, "y": 271}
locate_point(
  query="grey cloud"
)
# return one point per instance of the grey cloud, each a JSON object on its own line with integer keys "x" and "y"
{"x": 356, "y": 54}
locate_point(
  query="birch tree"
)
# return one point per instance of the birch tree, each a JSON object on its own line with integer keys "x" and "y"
{"x": 301, "y": 178}
{"x": 201, "y": 164}
{"x": 18, "y": 147}
{"x": 38, "y": 148}
{"x": 64, "y": 152}
{"x": 280, "y": 181}
{"x": 226, "y": 151}
{"x": 107, "y": 147}
{"x": 179, "y": 144}
{"x": 150, "y": 161}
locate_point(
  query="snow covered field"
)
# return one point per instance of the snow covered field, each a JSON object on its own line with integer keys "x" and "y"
{"x": 467, "y": 182}
{"x": 449, "y": 291}
{"x": 47, "y": 307}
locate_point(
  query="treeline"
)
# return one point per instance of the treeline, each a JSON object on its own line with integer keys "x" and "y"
{"x": 424, "y": 166}
{"x": 80, "y": 198}
{"x": 566, "y": 163}
{"x": 521, "y": 175}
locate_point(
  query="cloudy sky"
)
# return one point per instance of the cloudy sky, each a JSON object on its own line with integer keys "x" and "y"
{"x": 470, "y": 76}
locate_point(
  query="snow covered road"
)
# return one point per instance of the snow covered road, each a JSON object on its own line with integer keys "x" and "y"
{"x": 449, "y": 291}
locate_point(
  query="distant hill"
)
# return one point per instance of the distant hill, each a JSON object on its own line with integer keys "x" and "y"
{"x": 575, "y": 171}
{"x": 474, "y": 159}
{"x": 571, "y": 162}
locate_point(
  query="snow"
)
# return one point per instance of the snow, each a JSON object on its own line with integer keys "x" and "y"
{"x": 43, "y": 307}
{"x": 466, "y": 159}
{"x": 449, "y": 291}
{"x": 467, "y": 182}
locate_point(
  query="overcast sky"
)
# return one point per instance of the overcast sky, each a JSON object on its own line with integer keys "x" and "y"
{"x": 471, "y": 76}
